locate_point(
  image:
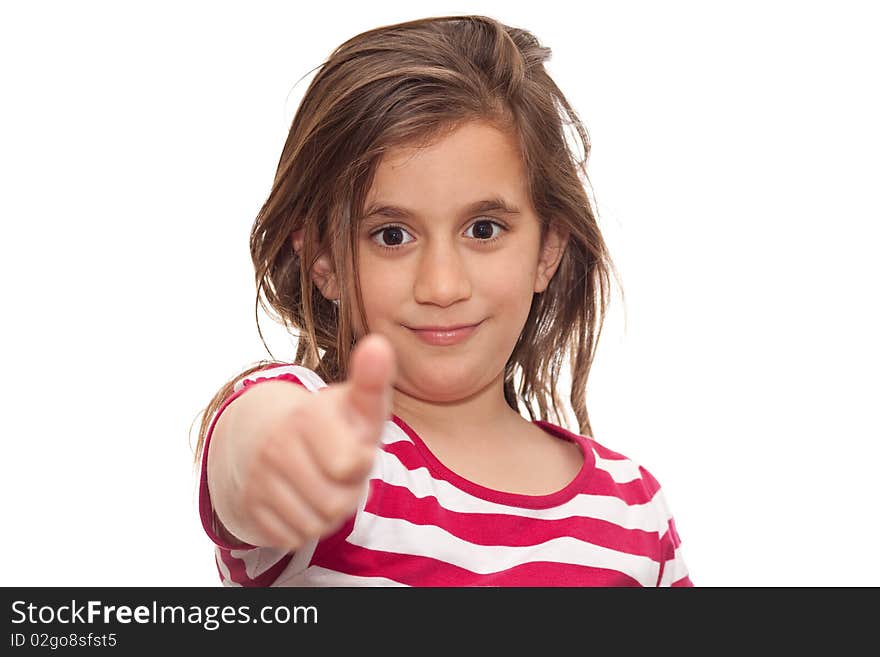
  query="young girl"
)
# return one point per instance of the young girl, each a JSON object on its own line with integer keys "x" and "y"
{"x": 429, "y": 239}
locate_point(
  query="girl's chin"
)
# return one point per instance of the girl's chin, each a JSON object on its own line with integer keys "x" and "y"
{"x": 431, "y": 385}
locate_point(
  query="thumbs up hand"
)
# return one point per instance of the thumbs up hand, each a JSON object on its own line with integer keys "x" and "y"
{"x": 305, "y": 469}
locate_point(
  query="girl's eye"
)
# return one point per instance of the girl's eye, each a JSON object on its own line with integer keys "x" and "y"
{"x": 392, "y": 237}
{"x": 483, "y": 230}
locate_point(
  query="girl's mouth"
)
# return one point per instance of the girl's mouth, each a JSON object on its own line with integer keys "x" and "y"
{"x": 443, "y": 337}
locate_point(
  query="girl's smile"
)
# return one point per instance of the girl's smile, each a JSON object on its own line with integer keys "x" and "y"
{"x": 445, "y": 336}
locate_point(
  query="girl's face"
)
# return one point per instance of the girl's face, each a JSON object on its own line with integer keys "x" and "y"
{"x": 437, "y": 248}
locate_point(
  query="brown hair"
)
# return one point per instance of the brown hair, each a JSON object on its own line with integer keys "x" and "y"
{"x": 410, "y": 84}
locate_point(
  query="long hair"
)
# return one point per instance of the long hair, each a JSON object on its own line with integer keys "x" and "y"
{"x": 410, "y": 84}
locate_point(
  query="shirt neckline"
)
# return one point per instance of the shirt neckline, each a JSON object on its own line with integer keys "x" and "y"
{"x": 523, "y": 500}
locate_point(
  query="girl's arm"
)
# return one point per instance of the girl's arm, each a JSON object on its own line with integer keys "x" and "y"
{"x": 286, "y": 465}
{"x": 241, "y": 430}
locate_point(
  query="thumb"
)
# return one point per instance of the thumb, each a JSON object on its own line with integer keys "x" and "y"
{"x": 371, "y": 376}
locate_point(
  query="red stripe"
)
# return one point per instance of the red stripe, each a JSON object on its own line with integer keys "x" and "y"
{"x": 667, "y": 548}
{"x": 674, "y": 538}
{"x": 283, "y": 376}
{"x": 660, "y": 573}
{"x": 669, "y": 542}
{"x": 637, "y": 491}
{"x": 268, "y": 577}
{"x": 501, "y": 529}
{"x": 604, "y": 452}
{"x": 327, "y": 546}
{"x": 426, "y": 571}
{"x": 673, "y": 533}
{"x": 235, "y": 567}
{"x": 683, "y": 582}
{"x": 601, "y": 483}
{"x": 650, "y": 482}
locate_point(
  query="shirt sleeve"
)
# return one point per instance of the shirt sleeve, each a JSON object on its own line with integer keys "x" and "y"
{"x": 245, "y": 564}
{"x": 673, "y": 570}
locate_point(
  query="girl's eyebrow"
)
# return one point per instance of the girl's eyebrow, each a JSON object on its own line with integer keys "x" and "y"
{"x": 494, "y": 204}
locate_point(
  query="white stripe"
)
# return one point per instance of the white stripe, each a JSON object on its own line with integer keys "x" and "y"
{"x": 400, "y": 536}
{"x": 317, "y": 576}
{"x": 391, "y": 433}
{"x": 648, "y": 517}
{"x": 621, "y": 471}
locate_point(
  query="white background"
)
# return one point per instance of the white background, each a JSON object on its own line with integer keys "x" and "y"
{"x": 734, "y": 162}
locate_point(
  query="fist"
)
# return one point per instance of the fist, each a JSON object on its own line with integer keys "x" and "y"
{"x": 310, "y": 470}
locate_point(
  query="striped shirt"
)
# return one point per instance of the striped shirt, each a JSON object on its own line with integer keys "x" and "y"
{"x": 420, "y": 524}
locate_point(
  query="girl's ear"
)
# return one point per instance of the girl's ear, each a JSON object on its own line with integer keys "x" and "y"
{"x": 555, "y": 243}
{"x": 322, "y": 271}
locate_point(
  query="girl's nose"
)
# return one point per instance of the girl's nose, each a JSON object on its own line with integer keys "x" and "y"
{"x": 441, "y": 278}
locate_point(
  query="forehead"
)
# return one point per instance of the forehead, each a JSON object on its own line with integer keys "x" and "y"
{"x": 476, "y": 161}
